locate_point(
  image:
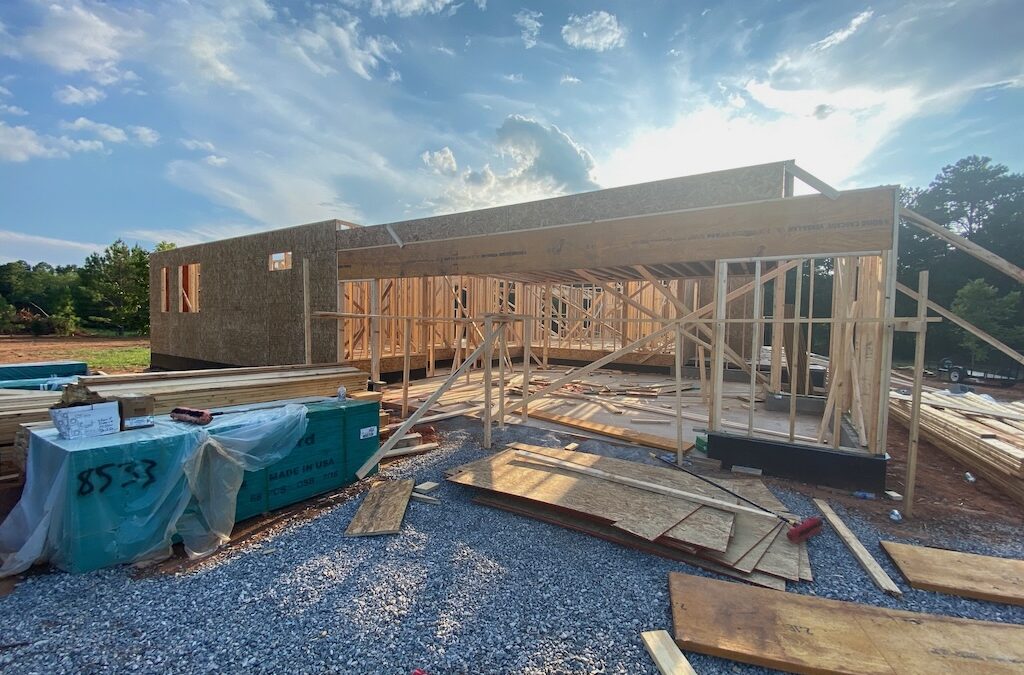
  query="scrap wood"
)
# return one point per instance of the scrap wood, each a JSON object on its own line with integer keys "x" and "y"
{"x": 600, "y": 530}
{"x": 665, "y": 653}
{"x": 426, "y": 487}
{"x": 969, "y": 575}
{"x": 806, "y": 634}
{"x": 382, "y": 510}
{"x": 402, "y": 451}
{"x": 425, "y": 498}
{"x": 630, "y": 435}
{"x": 866, "y": 560}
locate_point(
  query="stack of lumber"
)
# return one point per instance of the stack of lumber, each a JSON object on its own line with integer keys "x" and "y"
{"x": 196, "y": 388}
{"x": 643, "y": 507}
{"x": 985, "y": 436}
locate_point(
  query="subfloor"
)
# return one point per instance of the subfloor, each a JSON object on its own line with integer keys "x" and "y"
{"x": 657, "y": 414}
{"x": 462, "y": 588}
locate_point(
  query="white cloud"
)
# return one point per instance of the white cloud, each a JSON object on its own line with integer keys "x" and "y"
{"x": 72, "y": 95}
{"x": 569, "y": 79}
{"x": 442, "y": 161}
{"x": 394, "y": 77}
{"x": 843, "y": 34}
{"x": 145, "y": 135}
{"x": 545, "y": 162}
{"x": 33, "y": 248}
{"x": 598, "y": 31}
{"x": 208, "y": 54}
{"x": 107, "y": 132}
{"x": 4, "y": 91}
{"x": 72, "y": 38}
{"x": 20, "y": 144}
{"x": 193, "y": 144}
{"x": 447, "y": 51}
{"x": 406, "y": 8}
{"x": 327, "y": 43}
{"x": 530, "y": 25}
{"x": 12, "y": 110}
{"x": 513, "y": 77}
{"x": 215, "y": 160}
{"x": 79, "y": 145}
{"x": 194, "y": 235}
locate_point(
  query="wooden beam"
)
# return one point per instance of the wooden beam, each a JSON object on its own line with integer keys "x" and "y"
{"x": 665, "y": 653}
{"x": 813, "y": 181}
{"x": 865, "y": 559}
{"x": 966, "y": 325}
{"x": 964, "y": 244}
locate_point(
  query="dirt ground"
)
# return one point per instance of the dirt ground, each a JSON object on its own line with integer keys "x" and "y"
{"x": 111, "y": 355}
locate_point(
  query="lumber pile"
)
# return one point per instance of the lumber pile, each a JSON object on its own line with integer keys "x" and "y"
{"x": 198, "y": 389}
{"x": 655, "y": 509}
{"x": 985, "y": 436}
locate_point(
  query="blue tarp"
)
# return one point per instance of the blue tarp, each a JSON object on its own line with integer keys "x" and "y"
{"x": 28, "y": 371}
{"x": 39, "y": 383}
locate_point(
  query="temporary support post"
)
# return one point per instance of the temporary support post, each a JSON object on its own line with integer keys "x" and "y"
{"x": 307, "y": 313}
{"x": 915, "y": 401}
{"x": 965, "y": 245}
{"x": 407, "y": 340}
{"x": 375, "y": 345}
{"x": 488, "y": 357}
{"x": 717, "y": 358}
{"x": 755, "y": 345}
{"x": 413, "y": 419}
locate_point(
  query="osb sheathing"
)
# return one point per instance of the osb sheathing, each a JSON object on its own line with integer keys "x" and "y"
{"x": 248, "y": 314}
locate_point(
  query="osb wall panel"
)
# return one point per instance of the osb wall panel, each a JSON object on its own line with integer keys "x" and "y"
{"x": 249, "y": 315}
{"x": 745, "y": 184}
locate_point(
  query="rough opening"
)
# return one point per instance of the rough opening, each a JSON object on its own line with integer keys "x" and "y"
{"x": 280, "y": 261}
{"x": 188, "y": 282}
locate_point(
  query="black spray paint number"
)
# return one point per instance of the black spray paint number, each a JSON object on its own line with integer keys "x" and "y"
{"x": 127, "y": 473}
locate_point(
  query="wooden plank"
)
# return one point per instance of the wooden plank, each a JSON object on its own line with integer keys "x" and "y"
{"x": 910, "y": 480}
{"x": 665, "y": 653}
{"x": 620, "y": 433}
{"x": 965, "y": 574}
{"x": 860, "y": 220}
{"x": 382, "y": 510}
{"x": 966, "y": 245}
{"x": 806, "y": 634}
{"x": 426, "y": 487}
{"x": 425, "y": 498}
{"x": 866, "y": 560}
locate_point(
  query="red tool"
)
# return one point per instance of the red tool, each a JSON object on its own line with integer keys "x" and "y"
{"x": 804, "y": 530}
{"x": 192, "y": 415}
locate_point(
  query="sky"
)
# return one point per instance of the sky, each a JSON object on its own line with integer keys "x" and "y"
{"x": 192, "y": 120}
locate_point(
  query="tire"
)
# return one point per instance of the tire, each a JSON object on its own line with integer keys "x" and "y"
{"x": 946, "y": 363}
{"x": 956, "y": 375}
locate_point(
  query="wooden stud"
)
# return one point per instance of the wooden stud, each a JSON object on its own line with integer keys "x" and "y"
{"x": 915, "y": 405}
{"x": 870, "y": 565}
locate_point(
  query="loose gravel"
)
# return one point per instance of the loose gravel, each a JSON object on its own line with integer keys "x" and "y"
{"x": 462, "y": 589}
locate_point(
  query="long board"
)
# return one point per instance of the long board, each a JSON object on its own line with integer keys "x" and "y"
{"x": 382, "y": 510}
{"x": 807, "y": 634}
{"x": 969, "y": 575}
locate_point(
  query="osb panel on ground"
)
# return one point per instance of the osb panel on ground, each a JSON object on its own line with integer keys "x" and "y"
{"x": 382, "y": 510}
{"x": 972, "y": 576}
{"x": 805, "y": 634}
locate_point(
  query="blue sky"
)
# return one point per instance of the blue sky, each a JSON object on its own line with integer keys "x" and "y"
{"x": 190, "y": 120}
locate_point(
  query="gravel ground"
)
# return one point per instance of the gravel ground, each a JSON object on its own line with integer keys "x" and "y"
{"x": 463, "y": 588}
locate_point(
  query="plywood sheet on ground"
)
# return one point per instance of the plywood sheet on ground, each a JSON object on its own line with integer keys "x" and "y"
{"x": 610, "y": 502}
{"x": 382, "y": 510}
{"x": 570, "y": 521}
{"x": 805, "y": 634}
{"x": 972, "y": 576}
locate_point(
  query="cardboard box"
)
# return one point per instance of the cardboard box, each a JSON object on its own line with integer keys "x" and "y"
{"x": 85, "y": 421}
{"x": 136, "y": 411}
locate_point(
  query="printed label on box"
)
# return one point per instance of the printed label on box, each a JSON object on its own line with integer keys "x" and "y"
{"x": 367, "y": 432}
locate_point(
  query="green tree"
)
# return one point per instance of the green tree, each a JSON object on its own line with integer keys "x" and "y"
{"x": 980, "y": 304}
{"x": 119, "y": 281}
{"x": 65, "y": 321}
{"x": 164, "y": 246}
{"x": 7, "y": 314}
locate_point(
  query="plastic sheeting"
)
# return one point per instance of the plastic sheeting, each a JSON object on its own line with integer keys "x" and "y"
{"x": 93, "y": 502}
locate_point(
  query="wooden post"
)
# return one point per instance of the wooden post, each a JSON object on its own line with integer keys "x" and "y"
{"x": 778, "y": 312}
{"x": 527, "y": 338}
{"x": 915, "y": 401}
{"x": 341, "y": 322}
{"x": 407, "y": 339}
{"x": 307, "y": 313}
{"x": 813, "y": 270}
{"x": 546, "y": 322}
{"x": 375, "y": 345}
{"x": 755, "y": 346}
{"x": 792, "y": 360}
{"x": 717, "y": 356}
{"x": 679, "y": 395}
{"x": 502, "y": 353}
{"x": 488, "y": 356}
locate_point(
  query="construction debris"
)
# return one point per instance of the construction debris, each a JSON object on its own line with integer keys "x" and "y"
{"x": 665, "y": 653}
{"x": 966, "y": 574}
{"x": 382, "y": 510}
{"x": 866, "y": 560}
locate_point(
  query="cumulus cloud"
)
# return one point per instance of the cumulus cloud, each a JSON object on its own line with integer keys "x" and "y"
{"x": 545, "y": 161}
{"x": 21, "y": 143}
{"x": 7, "y": 109}
{"x": 145, "y": 135}
{"x": 107, "y": 132}
{"x": 597, "y": 31}
{"x": 529, "y": 23}
{"x": 193, "y": 144}
{"x": 569, "y": 79}
{"x": 442, "y": 161}
{"x": 215, "y": 160}
{"x": 72, "y": 95}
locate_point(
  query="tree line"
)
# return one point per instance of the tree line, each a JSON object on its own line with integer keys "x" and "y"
{"x": 975, "y": 197}
{"x": 108, "y": 292}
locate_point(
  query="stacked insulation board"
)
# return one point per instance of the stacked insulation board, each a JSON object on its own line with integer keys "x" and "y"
{"x": 985, "y": 436}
